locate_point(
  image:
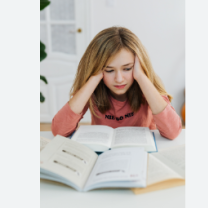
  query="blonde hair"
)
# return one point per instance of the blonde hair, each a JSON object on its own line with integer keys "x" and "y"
{"x": 105, "y": 44}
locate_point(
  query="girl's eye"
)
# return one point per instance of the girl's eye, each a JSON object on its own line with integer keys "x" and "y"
{"x": 127, "y": 69}
{"x": 109, "y": 71}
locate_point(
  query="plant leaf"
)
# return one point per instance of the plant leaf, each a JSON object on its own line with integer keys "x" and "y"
{"x": 42, "y": 98}
{"x": 43, "y": 54}
{"x": 42, "y": 46}
{"x": 43, "y": 79}
{"x": 43, "y": 4}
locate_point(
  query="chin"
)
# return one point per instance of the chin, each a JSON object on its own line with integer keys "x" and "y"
{"x": 120, "y": 92}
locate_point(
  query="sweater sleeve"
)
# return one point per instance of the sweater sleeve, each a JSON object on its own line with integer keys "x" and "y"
{"x": 66, "y": 121}
{"x": 168, "y": 122}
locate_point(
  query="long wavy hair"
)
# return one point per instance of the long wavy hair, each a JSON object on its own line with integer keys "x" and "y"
{"x": 106, "y": 43}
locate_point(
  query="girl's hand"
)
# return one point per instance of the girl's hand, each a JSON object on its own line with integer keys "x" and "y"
{"x": 99, "y": 76}
{"x": 138, "y": 71}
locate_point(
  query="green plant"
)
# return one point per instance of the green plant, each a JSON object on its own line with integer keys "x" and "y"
{"x": 43, "y": 54}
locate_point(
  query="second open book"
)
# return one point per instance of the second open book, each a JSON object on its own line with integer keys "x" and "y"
{"x": 101, "y": 138}
{"x": 166, "y": 169}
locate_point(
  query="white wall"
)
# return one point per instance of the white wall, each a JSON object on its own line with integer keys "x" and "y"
{"x": 160, "y": 25}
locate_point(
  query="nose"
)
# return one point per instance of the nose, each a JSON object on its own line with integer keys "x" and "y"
{"x": 119, "y": 77}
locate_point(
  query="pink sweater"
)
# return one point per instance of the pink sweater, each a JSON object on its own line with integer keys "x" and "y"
{"x": 167, "y": 122}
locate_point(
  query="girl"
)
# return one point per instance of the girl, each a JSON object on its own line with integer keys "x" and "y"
{"x": 116, "y": 81}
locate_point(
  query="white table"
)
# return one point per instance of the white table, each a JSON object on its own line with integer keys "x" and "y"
{"x": 54, "y": 195}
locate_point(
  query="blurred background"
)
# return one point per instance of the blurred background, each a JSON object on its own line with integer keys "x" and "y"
{"x": 67, "y": 27}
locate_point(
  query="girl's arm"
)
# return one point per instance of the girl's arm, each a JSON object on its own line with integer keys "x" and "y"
{"x": 79, "y": 100}
{"x": 153, "y": 97}
{"x": 66, "y": 120}
{"x": 165, "y": 117}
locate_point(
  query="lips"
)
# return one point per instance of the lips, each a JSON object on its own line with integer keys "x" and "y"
{"x": 120, "y": 86}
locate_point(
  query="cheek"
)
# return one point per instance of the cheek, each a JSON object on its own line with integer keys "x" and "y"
{"x": 107, "y": 79}
{"x": 130, "y": 77}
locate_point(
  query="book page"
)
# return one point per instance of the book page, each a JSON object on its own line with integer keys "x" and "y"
{"x": 94, "y": 134}
{"x": 157, "y": 171}
{"x": 133, "y": 136}
{"x": 119, "y": 164}
{"x": 174, "y": 158}
{"x": 43, "y": 142}
{"x": 68, "y": 160}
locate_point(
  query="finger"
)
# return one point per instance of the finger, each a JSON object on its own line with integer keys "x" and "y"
{"x": 136, "y": 61}
{"x": 136, "y": 58}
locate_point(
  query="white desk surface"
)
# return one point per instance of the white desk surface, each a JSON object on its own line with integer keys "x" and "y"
{"x": 54, "y": 195}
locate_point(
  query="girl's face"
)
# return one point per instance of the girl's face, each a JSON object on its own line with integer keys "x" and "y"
{"x": 118, "y": 73}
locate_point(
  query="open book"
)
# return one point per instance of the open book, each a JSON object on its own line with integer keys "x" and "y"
{"x": 76, "y": 165}
{"x": 100, "y": 138}
{"x": 166, "y": 169}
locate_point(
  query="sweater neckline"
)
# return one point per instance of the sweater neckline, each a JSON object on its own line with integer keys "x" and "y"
{"x": 117, "y": 102}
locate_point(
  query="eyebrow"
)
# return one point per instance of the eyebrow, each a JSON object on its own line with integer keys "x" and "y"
{"x": 122, "y": 65}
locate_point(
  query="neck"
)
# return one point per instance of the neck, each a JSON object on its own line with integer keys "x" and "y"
{"x": 121, "y": 98}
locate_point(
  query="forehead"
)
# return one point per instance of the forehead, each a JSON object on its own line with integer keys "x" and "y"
{"x": 121, "y": 58}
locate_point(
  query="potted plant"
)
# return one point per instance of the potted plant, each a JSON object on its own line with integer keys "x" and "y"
{"x": 43, "y": 54}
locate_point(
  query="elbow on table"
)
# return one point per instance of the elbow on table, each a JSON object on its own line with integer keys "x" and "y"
{"x": 172, "y": 130}
{"x": 56, "y": 132}
{"x": 61, "y": 130}
{"x": 172, "y": 135}
{"x": 56, "y": 129}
